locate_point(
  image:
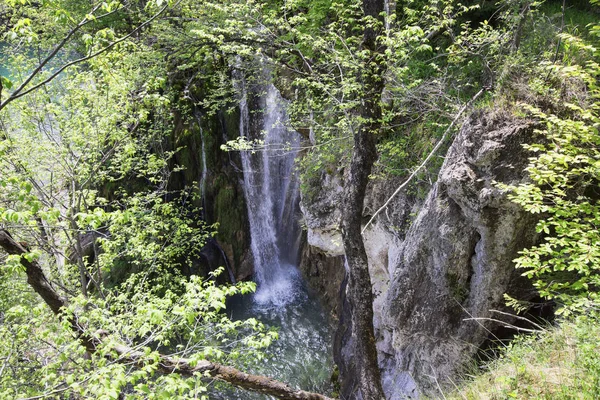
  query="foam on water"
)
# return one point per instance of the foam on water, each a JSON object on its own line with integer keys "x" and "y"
{"x": 279, "y": 290}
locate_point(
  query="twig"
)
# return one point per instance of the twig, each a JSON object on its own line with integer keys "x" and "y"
{"x": 437, "y": 146}
{"x": 50, "y": 56}
{"x": 541, "y": 328}
{"x": 476, "y": 320}
{"x": 562, "y": 29}
{"x": 505, "y": 324}
{"x": 437, "y": 383}
{"x": 6, "y": 361}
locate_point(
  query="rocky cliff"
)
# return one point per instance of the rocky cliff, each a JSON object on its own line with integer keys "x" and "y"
{"x": 436, "y": 275}
{"x": 217, "y": 176}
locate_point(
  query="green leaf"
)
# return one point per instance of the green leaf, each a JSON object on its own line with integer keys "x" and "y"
{"x": 6, "y": 83}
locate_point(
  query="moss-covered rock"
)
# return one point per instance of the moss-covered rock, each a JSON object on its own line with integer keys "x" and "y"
{"x": 223, "y": 203}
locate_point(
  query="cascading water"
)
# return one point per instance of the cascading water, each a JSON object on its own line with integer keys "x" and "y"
{"x": 302, "y": 355}
{"x": 271, "y": 191}
{"x": 204, "y": 175}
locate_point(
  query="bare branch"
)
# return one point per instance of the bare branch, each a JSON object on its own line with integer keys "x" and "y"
{"x": 504, "y": 324}
{"x": 437, "y": 146}
{"x": 541, "y": 328}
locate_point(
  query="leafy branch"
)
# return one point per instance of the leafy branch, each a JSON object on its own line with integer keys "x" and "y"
{"x": 20, "y": 91}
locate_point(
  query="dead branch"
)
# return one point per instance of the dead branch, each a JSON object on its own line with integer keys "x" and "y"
{"x": 437, "y": 146}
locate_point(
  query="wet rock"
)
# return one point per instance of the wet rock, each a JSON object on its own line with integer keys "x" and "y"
{"x": 324, "y": 275}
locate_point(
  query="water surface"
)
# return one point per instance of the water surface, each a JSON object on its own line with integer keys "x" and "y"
{"x": 302, "y": 357}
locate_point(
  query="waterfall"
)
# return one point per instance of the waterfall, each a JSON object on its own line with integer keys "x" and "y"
{"x": 204, "y": 174}
{"x": 302, "y": 355}
{"x": 388, "y": 12}
{"x": 271, "y": 188}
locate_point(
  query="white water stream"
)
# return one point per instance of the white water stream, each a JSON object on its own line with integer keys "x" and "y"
{"x": 302, "y": 355}
{"x": 272, "y": 195}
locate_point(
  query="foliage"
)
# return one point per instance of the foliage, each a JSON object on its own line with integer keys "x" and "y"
{"x": 84, "y": 157}
{"x": 70, "y": 154}
{"x": 151, "y": 235}
{"x": 564, "y": 180}
{"x": 40, "y": 355}
{"x": 84, "y": 176}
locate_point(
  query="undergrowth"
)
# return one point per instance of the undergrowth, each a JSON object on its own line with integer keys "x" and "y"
{"x": 560, "y": 363}
{"x": 561, "y": 78}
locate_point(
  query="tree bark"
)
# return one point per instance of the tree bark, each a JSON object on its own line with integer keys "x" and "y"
{"x": 166, "y": 364}
{"x": 35, "y": 275}
{"x": 359, "y": 289}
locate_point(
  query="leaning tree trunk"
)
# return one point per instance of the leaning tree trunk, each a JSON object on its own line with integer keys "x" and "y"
{"x": 359, "y": 289}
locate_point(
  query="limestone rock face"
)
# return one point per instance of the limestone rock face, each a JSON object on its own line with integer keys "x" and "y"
{"x": 322, "y": 214}
{"x": 452, "y": 262}
{"x": 456, "y": 260}
{"x": 324, "y": 275}
{"x": 321, "y": 259}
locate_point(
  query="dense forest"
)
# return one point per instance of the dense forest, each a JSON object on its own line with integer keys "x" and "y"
{"x": 299, "y": 199}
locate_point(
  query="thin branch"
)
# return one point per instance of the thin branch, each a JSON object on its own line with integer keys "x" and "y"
{"x": 541, "y": 328}
{"x": 50, "y": 56}
{"x": 562, "y": 29}
{"x": 504, "y": 324}
{"x": 437, "y": 146}
{"x": 48, "y": 394}
{"x": 19, "y": 93}
{"x": 6, "y": 361}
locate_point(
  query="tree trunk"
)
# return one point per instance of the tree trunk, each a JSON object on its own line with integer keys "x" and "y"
{"x": 166, "y": 364}
{"x": 359, "y": 289}
{"x": 516, "y": 41}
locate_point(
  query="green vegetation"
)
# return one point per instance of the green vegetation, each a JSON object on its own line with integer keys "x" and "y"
{"x": 560, "y": 363}
{"x": 87, "y": 176}
{"x": 564, "y": 171}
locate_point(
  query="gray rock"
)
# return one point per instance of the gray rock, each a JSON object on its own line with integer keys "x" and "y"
{"x": 453, "y": 262}
{"x": 456, "y": 262}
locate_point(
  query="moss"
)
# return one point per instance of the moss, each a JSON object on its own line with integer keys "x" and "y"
{"x": 229, "y": 212}
{"x": 209, "y": 136}
{"x": 187, "y": 161}
{"x": 335, "y": 381}
{"x": 231, "y": 121}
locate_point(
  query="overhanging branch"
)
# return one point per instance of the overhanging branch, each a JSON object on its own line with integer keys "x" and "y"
{"x": 20, "y": 92}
